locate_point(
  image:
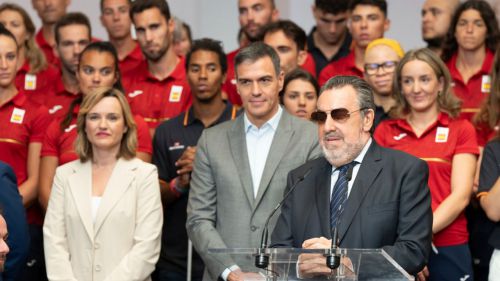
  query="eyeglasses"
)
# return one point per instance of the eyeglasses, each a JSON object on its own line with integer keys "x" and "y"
{"x": 387, "y": 66}
{"x": 338, "y": 114}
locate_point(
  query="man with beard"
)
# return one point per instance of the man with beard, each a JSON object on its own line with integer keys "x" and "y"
{"x": 436, "y": 18}
{"x": 253, "y": 16}
{"x": 50, "y": 12}
{"x": 72, "y": 35}
{"x": 374, "y": 197}
{"x": 115, "y": 18}
{"x": 174, "y": 151}
{"x": 157, "y": 89}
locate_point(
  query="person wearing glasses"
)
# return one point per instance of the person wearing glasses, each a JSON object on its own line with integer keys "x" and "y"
{"x": 381, "y": 58}
{"x": 385, "y": 203}
{"x": 425, "y": 125}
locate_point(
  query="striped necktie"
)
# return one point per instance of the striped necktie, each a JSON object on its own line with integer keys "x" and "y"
{"x": 339, "y": 194}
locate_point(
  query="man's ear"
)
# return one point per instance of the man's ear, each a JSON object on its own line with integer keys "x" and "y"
{"x": 301, "y": 57}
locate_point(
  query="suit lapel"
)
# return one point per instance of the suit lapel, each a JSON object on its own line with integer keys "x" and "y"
{"x": 118, "y": 183}
{"x": 238, "y": 148}
{"x": 80, "y": 185}
{"x": 323, "y": 197}
{"x": 367, "y": 173}
{"x": 277, "y": 150}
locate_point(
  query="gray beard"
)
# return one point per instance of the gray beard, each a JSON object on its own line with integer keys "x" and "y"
{"x": 339, "y": 158}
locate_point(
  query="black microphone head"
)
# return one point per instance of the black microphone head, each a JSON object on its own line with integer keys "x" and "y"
{"x": 261, "y": 259}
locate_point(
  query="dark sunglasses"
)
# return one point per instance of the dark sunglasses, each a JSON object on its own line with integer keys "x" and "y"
{"x": 339, "y": 114}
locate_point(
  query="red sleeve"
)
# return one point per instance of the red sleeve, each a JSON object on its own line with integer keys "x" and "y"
{"x": 187, "y": 97}
{"x": 309, "y": 65}
{"x": 144, "y": 142}
{"x": 39, "y": 124}
{"x": 325, "y": 74}
{"x": 466, "y": 139}
{"x": 381, "y": 132}
{"x": 50, "y": 145}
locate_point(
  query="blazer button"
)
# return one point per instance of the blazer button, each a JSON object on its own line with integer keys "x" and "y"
{"x": 96, "y": 246}
{"x": 253, "y": 228}
{"x": 97, "y": 268}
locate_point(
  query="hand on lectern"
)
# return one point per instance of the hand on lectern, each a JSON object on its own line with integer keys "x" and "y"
{"x": 311, "y": 265}
{"x": 238, "y": 275}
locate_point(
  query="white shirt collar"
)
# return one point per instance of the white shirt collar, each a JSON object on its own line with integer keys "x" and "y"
{"x": 273, "y": 122}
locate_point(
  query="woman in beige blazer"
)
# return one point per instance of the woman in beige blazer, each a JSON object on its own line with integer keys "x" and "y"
{"x": 104, "y": 217}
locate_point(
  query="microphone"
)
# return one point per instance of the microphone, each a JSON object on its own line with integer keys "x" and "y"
{"x": 262, "y": 259}
{"x": 332, "y": 258}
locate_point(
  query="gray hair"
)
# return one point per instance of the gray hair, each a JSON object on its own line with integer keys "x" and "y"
{"x": 363, "y": 90}
{"x": 255, "y": 51}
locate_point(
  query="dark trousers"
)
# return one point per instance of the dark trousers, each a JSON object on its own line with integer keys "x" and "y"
{"x": 34, "y": 270}
{"x": 452, "y": 263}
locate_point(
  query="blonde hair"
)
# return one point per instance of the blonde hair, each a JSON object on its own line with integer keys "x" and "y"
{"x": 128, "y": 144}
{"x": 34, "y": 55}
{"x": 391, "y": 43}
{"x": 447, "y": 101}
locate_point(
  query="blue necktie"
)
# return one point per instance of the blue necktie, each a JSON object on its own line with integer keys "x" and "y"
{"x": 339, "y": 195}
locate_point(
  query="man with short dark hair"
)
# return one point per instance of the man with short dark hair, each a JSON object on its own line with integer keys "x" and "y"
{"x": 49, "y": 11}
{"x": 72, "y": 34}
{"x": 157, "y": 89}
{"x": 367, "y": 21}
{"x": 384, "y": 203}
{"x": 289, "y": 41}
{"x": 116, "y": 20}
{"x": 253, "y": 16}
{"x": 174, "y": 152}
{"x": 436, "y": 19}
{"x": 241, "y": 165}
{"x": 330, "y": 39}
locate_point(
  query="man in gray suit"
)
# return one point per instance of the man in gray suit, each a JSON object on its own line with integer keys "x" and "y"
{"x": 241, "y": 166}
{"x": 375, "y": 197}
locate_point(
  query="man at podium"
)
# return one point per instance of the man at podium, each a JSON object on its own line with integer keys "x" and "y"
{"x": 373, "y": 197}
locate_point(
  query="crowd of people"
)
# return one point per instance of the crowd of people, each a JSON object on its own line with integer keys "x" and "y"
{"x": 127, "y": 158}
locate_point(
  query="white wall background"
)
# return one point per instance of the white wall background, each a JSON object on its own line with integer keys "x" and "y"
{"x": 219, "y": 18}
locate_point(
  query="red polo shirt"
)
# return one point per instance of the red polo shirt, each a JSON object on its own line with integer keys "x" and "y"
{"x": 58, "y": 100}
{"x": 61, "y": 143}
{"x": 47, "y": 49}
{"x": 437, "y": 146}
{"x": 344, "y": 66}
{"x": 131, "y": 61}
{"x": 309, "y": 65}
{"x": 36, "y": 85}
{"x": 157, "y": 100}
{"x": 21, "y": 122}
{"x": 476, "y": 89}
{"x": 229, "y": 86}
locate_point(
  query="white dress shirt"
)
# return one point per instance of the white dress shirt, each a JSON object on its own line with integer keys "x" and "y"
{"x": 258, "y": 144}
{"x": 359, "y": 160}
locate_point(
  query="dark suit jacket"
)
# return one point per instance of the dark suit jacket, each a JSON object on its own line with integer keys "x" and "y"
{"x": 389, "y": 207}
{"x": 17, "y": 226}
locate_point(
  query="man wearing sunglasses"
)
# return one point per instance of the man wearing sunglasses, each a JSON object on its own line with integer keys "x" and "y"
{"x": 372, "y": 196}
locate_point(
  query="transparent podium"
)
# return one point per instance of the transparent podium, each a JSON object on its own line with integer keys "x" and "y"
{"x": 289, "y": 264}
